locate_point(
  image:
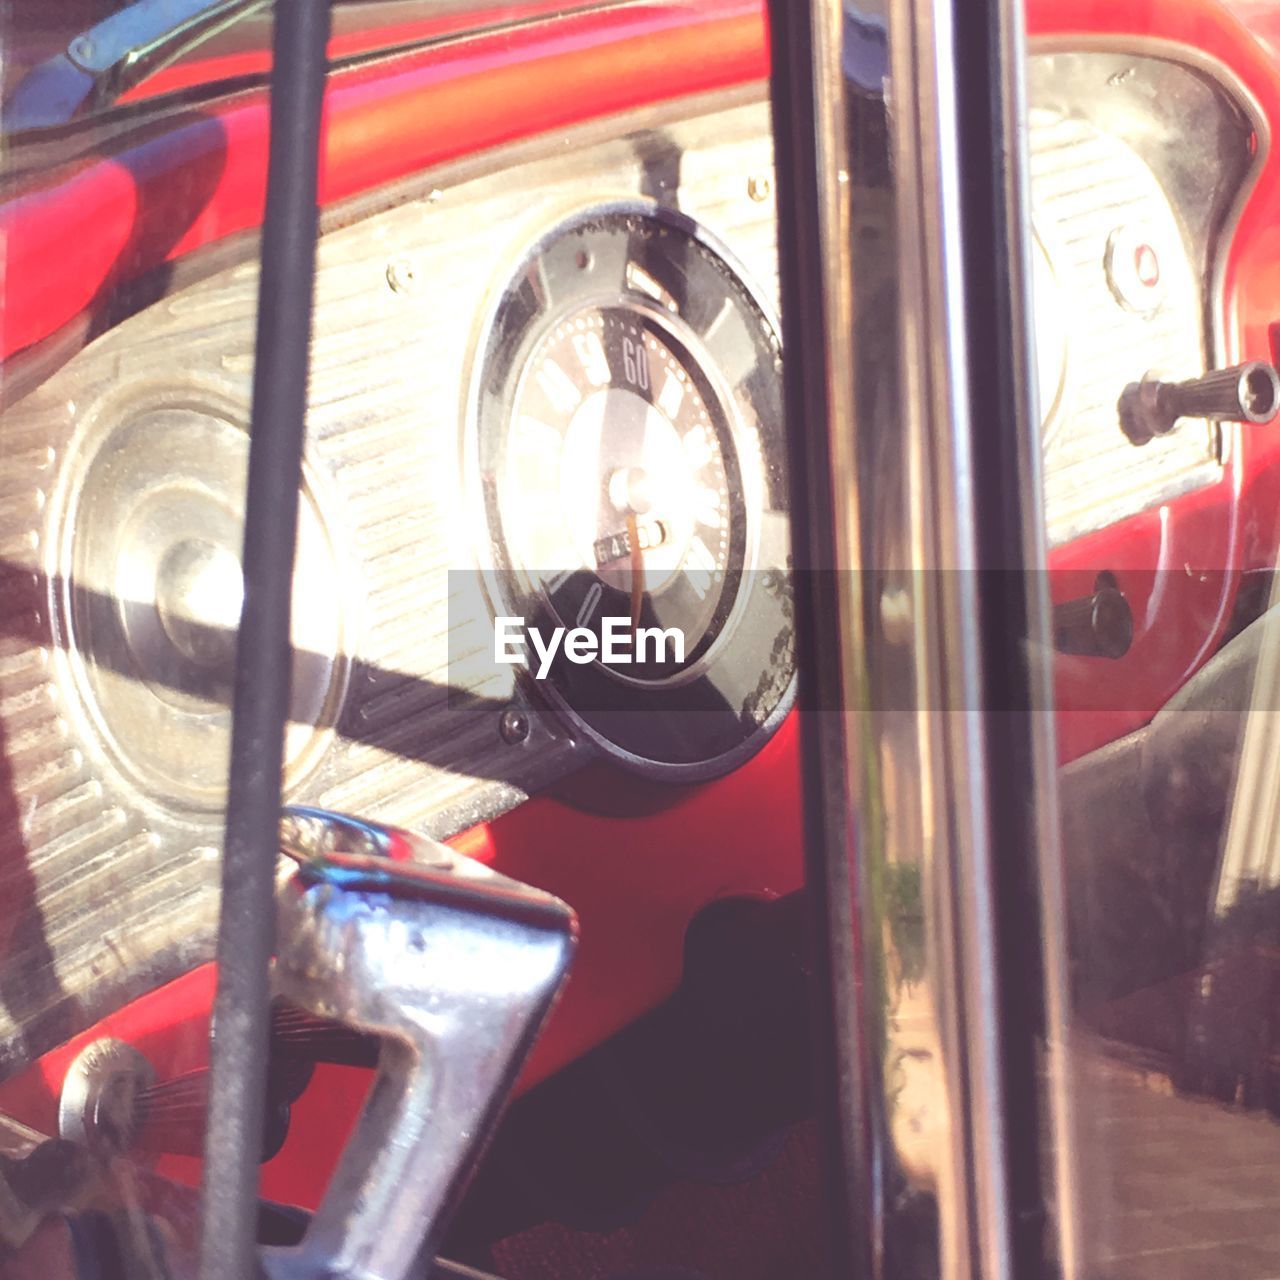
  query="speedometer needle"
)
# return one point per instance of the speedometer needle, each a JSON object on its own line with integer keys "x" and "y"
{"x": 637, "y": 570}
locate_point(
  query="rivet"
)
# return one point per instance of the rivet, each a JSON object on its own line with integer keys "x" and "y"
{"x": 513, "y": 725}
{"x": 401, "y": 276}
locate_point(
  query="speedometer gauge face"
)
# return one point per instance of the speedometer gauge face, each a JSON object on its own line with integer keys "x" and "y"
{"x": 627, "y": 444}
{"x": 624, "y": 483}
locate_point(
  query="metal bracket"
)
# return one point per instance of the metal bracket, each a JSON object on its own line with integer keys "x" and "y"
{"x": 104, "y": 61}
{"x": 454, "y": 967}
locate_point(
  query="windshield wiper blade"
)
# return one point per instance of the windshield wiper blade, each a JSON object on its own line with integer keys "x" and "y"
{"x": 103, "y": 62}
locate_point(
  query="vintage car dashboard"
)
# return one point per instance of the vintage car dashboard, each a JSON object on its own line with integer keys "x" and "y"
{"x": 528, "y": 362}
{"x": 437, "y": 467}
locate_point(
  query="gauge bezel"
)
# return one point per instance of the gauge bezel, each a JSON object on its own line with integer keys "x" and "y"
{"x": 690, "y": 730}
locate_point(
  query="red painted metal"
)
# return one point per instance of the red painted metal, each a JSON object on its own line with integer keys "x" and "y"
{"x": 244, "y": 49}
{"x": 154, "y": 196}
{"x": 635, "y": 881}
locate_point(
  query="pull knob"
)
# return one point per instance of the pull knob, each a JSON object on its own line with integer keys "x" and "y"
{"x": 1248, "y": 392}
{"x": 1096, "y": 626}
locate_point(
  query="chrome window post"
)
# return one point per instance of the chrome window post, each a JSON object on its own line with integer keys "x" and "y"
{"x": 922, "y": 618}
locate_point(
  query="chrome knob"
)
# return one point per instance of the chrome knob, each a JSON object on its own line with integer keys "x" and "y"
{"x": 1248, "y": 392}
{"x": 1095, "y": 626}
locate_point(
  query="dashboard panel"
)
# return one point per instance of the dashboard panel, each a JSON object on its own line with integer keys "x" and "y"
{"x": 1139, "y": 168}
{"x": 121, "y": 718}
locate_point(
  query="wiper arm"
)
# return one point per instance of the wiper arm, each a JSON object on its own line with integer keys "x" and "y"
{"x": 102, "y": 63}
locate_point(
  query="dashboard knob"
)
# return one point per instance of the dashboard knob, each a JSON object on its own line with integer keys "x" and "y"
{"x": 1096, "y": 626}
{"x": 1248, "y": 392}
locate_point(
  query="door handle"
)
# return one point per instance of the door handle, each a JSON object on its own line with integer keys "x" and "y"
{"x": 454, "y": 967}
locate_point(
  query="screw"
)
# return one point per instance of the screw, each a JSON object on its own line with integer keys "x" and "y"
{"x": 513, "y": 725}
{"x": 759, "y": 187}
{"x": 82, "y": 49}
{"x": 401, "y": 276}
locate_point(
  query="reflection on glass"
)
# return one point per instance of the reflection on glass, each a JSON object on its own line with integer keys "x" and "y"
{"x": 1154, "y": 158}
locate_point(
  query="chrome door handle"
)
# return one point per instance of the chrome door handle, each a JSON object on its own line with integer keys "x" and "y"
{"x": 454, "y": 967}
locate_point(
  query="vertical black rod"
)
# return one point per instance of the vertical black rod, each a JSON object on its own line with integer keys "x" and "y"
{"x": 246, "y": 929}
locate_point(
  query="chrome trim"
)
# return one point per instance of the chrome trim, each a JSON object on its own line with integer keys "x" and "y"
{"x": 1062, "y": 1179}
{"x": 943, "y": 749}
{"x": 905, "y": 827}
{"x": 454, "y": 967}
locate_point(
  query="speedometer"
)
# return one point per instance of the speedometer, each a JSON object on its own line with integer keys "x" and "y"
{"x": 627, "y": 444}
{"x": 624, "y": 498}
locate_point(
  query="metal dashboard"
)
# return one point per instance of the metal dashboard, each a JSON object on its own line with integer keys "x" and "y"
{"x": 111, "y": 887}
{"x": 139, "y": 443}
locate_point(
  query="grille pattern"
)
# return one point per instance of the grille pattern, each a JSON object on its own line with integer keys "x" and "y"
{"x": 1085, "y": 186}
